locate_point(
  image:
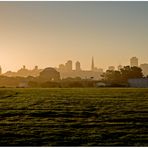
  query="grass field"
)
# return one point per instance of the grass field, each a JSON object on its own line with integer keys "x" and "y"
{"x": 74, "y": 117}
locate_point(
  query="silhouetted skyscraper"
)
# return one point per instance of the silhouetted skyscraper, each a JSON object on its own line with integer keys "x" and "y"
{"x": 144, "y": 68}
{"x": 78, "y": 67}
{"x": 68, "y": 65}
{"x": 61, "y": 67}
{"x": 92, "y": 64}
{"x": 134, "y": 61}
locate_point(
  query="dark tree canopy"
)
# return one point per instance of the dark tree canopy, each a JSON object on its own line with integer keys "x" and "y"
{"x": 131, "y": 72}
{"x": 122, "y": 76}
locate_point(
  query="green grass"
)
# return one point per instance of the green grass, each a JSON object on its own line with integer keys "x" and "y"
{"x": 74, "y": 117}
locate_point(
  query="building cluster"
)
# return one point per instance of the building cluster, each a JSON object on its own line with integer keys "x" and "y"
{"x": 66, "y": 70}
{"x": 24, "y": 72}
{"x": 144, "y": 67}
{"x": 134, "y": 62}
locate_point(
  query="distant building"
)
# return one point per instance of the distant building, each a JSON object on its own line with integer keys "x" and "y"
{"x": 10, "y": 74}
{"x": 95, "y": 69}
{"x": 92, "y": 64}
{"x": 138, "y": 82}
{"x": 144, "y": 68}
{"x": 24, "y": 67}
{"x": 61, "y": 67}
{"x": 83, "y": 74}
{"x": 68, "y": 65}
{"x": 111, "y": 68}
{"x": 49, "y": 74}
{"x": 24, "y": 72}
{"x": 78, "y": 66}
{"x": 67, "y": 71}
{"x": 36, "y": 68}
{"x": 119, "y": 67}
{"x": 134, "y": 62}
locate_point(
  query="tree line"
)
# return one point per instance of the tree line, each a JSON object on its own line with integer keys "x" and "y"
{"x": 120, "y": 77}
{"x": 49, "y": 77}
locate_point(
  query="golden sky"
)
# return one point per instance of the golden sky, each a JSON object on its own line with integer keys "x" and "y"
{"x": 49, "y": 33}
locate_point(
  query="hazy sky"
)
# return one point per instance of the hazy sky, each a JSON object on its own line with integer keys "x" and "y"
{"x": 50, "y": 33}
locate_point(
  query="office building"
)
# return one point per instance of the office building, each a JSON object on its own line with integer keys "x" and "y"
{"x": 144, "y": 68}
{"x": 78, "y": 66}
{"x": 134, "y": 62}
{"x": 68, "y": 65}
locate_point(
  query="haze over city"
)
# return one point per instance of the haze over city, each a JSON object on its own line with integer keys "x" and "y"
{"x": 74, "y": 73}
{"x": 49, "y": 33}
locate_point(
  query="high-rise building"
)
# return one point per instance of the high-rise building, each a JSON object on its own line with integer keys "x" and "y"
{"x": 92, "y": 64}
{"x": 134, "y": 62}
{"x": 144, "y": 68}
{"x": 61, "y": 67}
{"x": 68, "y": 65}
{"x": 78, "y": 66}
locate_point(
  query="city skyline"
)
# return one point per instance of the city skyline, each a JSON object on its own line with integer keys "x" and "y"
{"x": 70, "y": 65}
{"x": 89, "y": 67}
{"x": 74, "y": 70}
{"x": 49, "y": 33}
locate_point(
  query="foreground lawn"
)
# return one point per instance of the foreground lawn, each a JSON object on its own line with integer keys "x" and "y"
{"x": 74, "y": 117}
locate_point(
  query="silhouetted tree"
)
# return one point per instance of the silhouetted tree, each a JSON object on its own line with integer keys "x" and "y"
{"x": 113, "y": 77}
{"x": 122, "y": 76}
{"x": 128, "y": 72}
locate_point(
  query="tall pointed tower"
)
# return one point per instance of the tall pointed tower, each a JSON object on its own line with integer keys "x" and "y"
{"x": 92, "y": 64}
